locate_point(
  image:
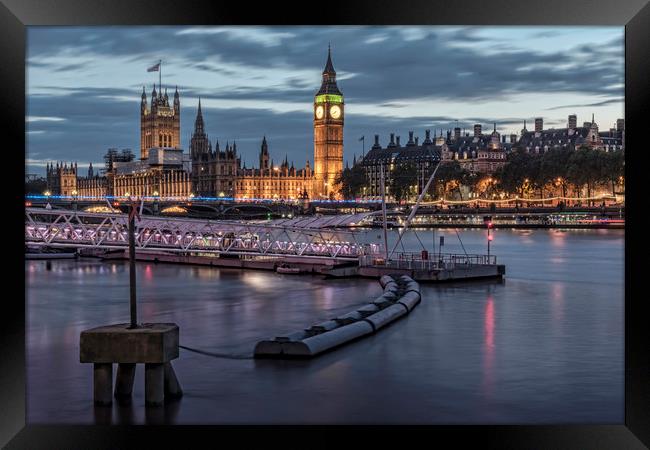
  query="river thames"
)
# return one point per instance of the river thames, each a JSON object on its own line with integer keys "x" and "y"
{"x": 544, "y": 346}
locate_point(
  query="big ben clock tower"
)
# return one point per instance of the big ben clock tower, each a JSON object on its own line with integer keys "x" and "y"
{"x": 328, "y": 134}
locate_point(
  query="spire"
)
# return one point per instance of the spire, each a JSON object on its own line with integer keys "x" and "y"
{"x": 199, "y": 125}
{"x": 329, "y": 77}
{"x": 329, "y": 67}
{"x": 495, "y": 127}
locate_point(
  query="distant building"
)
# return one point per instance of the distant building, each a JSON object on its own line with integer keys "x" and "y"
{"x": 160, "y": 122}
{"x": 163, "y": 169}
{"x": 540, "y": 140}
{"x": 423, "y": 156}
{"x": 269, "y": 181}
{"x": 480, "y": 153}
{"x": 217, "y": 172}
{"x": 61, "y": 179}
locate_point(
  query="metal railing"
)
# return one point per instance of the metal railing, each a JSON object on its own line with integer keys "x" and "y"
{"x": 414, "y": 261}
{"x": 64, "y": 228}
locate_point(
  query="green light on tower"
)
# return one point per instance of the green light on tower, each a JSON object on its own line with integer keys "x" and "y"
{"x": 331, "y": 98}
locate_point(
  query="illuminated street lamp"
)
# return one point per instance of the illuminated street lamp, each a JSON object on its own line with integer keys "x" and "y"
{"x": 47, "y": 193}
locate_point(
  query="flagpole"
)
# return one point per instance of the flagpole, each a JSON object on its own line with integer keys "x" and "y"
{"x": 160, "y": 75}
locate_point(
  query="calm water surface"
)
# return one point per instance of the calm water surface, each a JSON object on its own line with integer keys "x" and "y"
{"x": 545, "y": 346}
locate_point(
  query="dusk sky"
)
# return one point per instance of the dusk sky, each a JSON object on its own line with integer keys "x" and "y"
{"x": 84, "y": 83}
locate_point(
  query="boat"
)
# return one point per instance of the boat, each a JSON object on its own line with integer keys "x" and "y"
{"x": 286, "y": 268}
{"x": 49, "y": 253}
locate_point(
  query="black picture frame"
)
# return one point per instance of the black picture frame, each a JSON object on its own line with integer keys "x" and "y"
{"x": 15, "y": 15}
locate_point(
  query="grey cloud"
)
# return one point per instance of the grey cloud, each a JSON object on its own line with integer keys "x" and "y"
{"x": 399, "y": 72}
{"x": 611, "y": 101}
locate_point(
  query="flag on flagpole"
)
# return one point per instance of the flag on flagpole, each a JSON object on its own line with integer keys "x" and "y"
{"x": 362, "y": 138}
{"x": 154, "y": 68}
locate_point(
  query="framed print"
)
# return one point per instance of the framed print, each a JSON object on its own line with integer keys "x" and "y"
{"x": 398, "y": 217}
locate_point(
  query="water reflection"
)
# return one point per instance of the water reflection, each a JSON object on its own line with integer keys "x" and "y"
{"x": 488, "y": 348}
{"x": 545, "y": 344}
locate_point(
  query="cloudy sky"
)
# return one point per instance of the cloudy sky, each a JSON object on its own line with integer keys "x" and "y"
{"x": 84, "y": 83}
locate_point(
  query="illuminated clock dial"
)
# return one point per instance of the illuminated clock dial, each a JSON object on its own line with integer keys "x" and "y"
{"x": 319, "y": 112}
{"x": 335, "y": 111}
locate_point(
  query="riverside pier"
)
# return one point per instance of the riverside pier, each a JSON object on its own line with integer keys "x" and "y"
{"x": 317, "y": 246}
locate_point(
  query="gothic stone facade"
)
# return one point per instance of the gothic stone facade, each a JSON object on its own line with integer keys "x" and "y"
{"x": 220, "y": 173}
{"x": 160, "y": 123}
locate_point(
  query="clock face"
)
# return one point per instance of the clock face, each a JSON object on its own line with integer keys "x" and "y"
{"x": 319, "y": 112}
{"x": 335, "y": 111}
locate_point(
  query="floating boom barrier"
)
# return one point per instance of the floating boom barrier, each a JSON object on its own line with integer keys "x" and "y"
{"x": 401, "y": 295}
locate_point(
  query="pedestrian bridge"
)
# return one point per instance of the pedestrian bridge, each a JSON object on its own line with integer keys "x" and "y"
{"x": 79, "y": 229}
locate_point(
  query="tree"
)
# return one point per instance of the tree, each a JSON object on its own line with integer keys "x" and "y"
{"x": 451, "y": 175}
{"x": 351, "y": 181}
{"x": 402, "y": 178}
{"x": 35, "y": 187}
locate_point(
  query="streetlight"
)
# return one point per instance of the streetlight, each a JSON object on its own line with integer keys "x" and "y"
{"x": 488, "y": 224}
{"x": 47, "y": 193}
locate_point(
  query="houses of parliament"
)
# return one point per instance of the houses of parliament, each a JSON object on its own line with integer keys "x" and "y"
{"x": 210, "y": 170}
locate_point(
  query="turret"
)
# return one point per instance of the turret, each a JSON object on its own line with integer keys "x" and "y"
{"x": 199, "y": 126}
{"x": 264, "y": 155}
{"x": 177, "y": 101}
{"x": 143, "y": 102}
{"x": 154, "y": 98}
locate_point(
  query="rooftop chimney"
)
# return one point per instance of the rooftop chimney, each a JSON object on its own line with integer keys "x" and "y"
{"x": 573, "y": 122}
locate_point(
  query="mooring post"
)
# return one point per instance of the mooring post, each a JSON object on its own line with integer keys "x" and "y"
{"x": 134, "y": 312}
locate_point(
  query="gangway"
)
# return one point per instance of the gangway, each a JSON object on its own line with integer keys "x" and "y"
{"x": 79, "y": 229}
